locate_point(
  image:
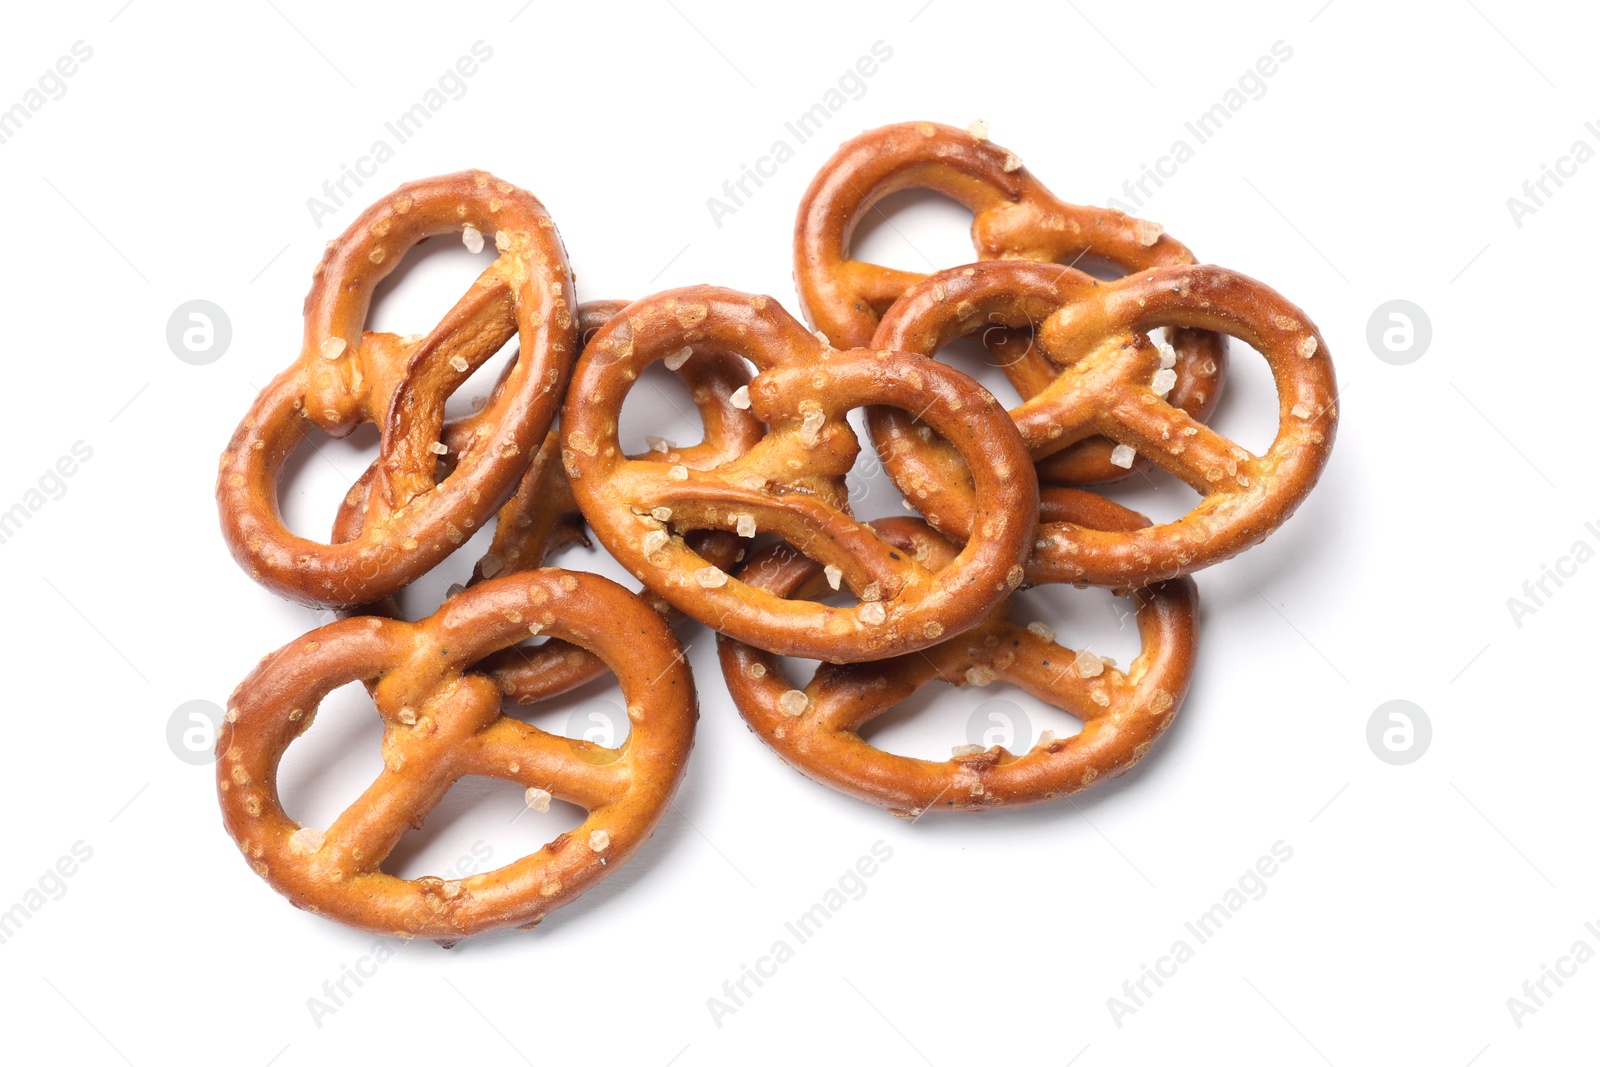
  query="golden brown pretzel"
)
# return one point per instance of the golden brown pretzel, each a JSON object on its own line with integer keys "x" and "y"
{"x": 442, "y": 721}
{"x": 1096, "y": 331}
{"x": 792, "y": 482}
{"x": 345, "y": 376}
{"x": 1014, "y": 217}
{"x": 817, "y": 729}
{"x": 542, "y": 517}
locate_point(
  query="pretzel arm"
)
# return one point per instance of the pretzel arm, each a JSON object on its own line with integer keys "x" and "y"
{"x": 877, "y": 286}
{"x": 812, "y": 526}
{"x": 1173, "y": 439}
{"x": 477, "y": 327}
{"x": 1050, "y": 672}
{"x": 396, "y": 801}
{"x": 578, "y": 772}
{"x": 847, "y": 698}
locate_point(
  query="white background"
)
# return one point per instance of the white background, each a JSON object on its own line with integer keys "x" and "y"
{"x": 1376, "y": 166}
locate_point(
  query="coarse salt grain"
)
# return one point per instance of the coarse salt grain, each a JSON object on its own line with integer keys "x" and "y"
{"x": 460, "y": 364}
{"x": 979, "y": 129}
{"x": 659, "y": 444}
{"x": 439, "y": 448}
{"x": 1308, "y": 347}
{"x": 599, "y": 840}
{"x": 1300, "y": 411}
{"x": 661, "y": 514}
{"x": 472, "y": 238}
{"x": 502, "y": 240}
{"x": 307, "y": 839}
{"x": 1122, "y": 456}
{"x": 678, "y": 473}
{"x": 1089, "y": 665}
{"x": 332, "y": 348}
{"x": 711, "y": 577}
{"x": 794, "y": 702}
{"x": 1039, "y": 629}
{"x": 873, "y": 613}
{"x": 979, "y": 675}
{"x": 741, "y": 398}
{"x": 654, "y": 541}
{"x": 965, "y": 750}
{"x": 811, "y": 423}
{"x": 677, "y": 359}
{"x": 537, "y": 799}
{"x": 833, "y": 574}
{"x": 746, "y": 526}
{"x": 1169, "y": 355}
{"x": 1164, "y": 380}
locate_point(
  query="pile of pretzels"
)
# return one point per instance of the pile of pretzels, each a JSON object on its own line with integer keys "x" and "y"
{"x": 750, "y": 531}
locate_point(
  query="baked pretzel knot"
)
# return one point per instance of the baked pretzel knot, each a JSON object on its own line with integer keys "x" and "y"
{"x": 542, "y": 517}
{"x": 441, "y": 722}
{"x": 817, "y": 729}
{"x": 345, "y": 375}
{"x": 1014, "y": 217}
{"x": 791, "y": 483}
{"x": 1095, "y": 332}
